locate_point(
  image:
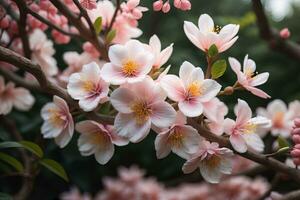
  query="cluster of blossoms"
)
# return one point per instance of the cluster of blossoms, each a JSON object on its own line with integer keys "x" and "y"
{"x": 165, "y": 7}
{"x": 146, "y": 97}
{"x": 295, "y": 153}
{"x": 132, "y": 185}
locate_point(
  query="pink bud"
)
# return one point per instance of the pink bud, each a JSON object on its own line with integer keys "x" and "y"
{"x": 166, "y": 7}
{"x": 297, "y": 146}
{"x": 297, "y": 122}
{"x": 296, "y": 139}
{"x": 137, "y": 14}
{"x": 295, "y": 152}
{"x": 133, "y": 3}
{"x": 296, "y": 131}
{"x": 186, "y": 5}
{"x": 177, "y": 4}
{"x": 157, "y": 5}
{"x": 285, "y": 33}
{"x": 4, "y": 23}
{"x": 296, "y": 161}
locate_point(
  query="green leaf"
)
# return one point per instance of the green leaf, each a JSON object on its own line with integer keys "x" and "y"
{"x": 282, "y": 142}
{"x": 4, "y": 196}
{"x": 98, "y": 25}
{"x": 55, "y": 167}
{"x": 11, "y": 161}
{"x": 110, "y": 36}
{"x": 218, "y": 69}
{"x": 30, "y": 146}
{"x": 212, "y": 51}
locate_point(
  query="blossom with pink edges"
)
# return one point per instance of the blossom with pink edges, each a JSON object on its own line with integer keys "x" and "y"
{"x": 140, "y": 105}
{"x": 11, "y": 96}
{"x": 190, "y": 89}
{"x": 247, "y": 77}
{"x": 89, "y": 4}
{"x": 129, "y": 63}
{"x": 243, "y": 131}
{"x": 212, "y": 161}
{"x": 98, "y": 139}
{"x": 206, "y": 34}
{"x": 180, "y": 138}
{"x": 58, "y": 122}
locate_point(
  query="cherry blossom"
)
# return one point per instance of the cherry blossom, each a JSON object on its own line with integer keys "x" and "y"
{"x": 98, "y": 139}
{"x": 180, "y": 138}
{"x": 206, "y": 34}
{"x": 161, "y": 56}
{"x": 129, "y": 63}
{"x": 89, "y": 4}
{"x": 140, "y": 105}
{"x": 88, "y": 87}
{"x": 11, "y": 96}
{"x": 190, "y": 89}
{"x": 243, "y": 131}
{"x": 42, "y": 52}
{"x": 58, "y": 122}
{"x": 247, "y": 78}
{"x": 212, "y": 161}
{"x": 285, "y": 33}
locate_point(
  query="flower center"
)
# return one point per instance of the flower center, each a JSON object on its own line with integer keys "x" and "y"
{"x": 88, "y": 86}
{"x": 213, "y": 161}
{"x": 249, "y": 128}
{"x": 55, "y": 118}
{"x": 130, "y": 67}
{"x": 278, "y": 120}
{"x": 175, "y": 138}
{"x": 217, "y": 29}
{"x": 142, "y": 111}
{"x": 194, "y": 89}
{"x": 98, "y": 138}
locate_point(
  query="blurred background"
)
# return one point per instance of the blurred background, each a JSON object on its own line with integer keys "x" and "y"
{"x": 284, "y": 82}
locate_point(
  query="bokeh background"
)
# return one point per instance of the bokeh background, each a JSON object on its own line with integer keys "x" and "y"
{"x": 284, "y": 83}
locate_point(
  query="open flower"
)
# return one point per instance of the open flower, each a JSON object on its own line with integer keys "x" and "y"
{"x": 98, "y": 139}
{"x": 181, "y": 139}
{"x": 42, "y": 52}
{"x": 215, "y": 111}
{"x": 161, "y": 56}
{"x": 243, "y": 131}
{"x": 279, "y": 114}
{"x": 190, "y": 89}
{"x": 212, "y": 161}
{"x": 140, "y": 105}
{"x": 88, "y": 87}
{"x": 58, "y": 122}
{"x": 247, "y": 78}
{"x": 10, "y": 97}
{"x": 206, "y": 34}
{"x": 128, "y": 63}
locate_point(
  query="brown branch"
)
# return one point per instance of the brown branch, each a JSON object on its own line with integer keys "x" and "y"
{"x": 272, "y": 36}
{"x": 295, "y": 195}
{"x": 118, "y": 3}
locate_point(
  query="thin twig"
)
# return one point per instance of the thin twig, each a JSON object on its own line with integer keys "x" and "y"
{"x": 118, "y": 3}
{"x": 295, "y": 195}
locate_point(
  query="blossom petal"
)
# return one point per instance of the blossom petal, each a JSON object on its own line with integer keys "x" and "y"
{"x": 117, "y": 54}
{"x": 191, "y": 165}
{"x": 191, "y": 109}
{"x": 193, "y": 34}
{"x": 206, "y": 23}
{"x": 254, "y": 141}
{"x": 210, "y": 90}
{"x": 121, "y": 99}
{"x": 104, "y": 153}
{"x": 260, "y": 79}
{"x": 163, "y": 114}
{"x": 243, "y": 112}
{"x": 238, "y": 143}
{"x": 173, "y": 86}
{"x": 162, "y": 147}
{"x": 209, "y": 173}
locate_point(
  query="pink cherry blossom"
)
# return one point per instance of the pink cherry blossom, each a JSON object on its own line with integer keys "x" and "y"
{"x": 183, "y": 4}
{"x": 215, "y": 111}
{"x": 132, "y": 10}
{"x": 128, "y": 63}
{"x": 10, "y": 97}
{"x": 88, "y": 87}
{"x": 166, "y": 7}
{"x": 161, "y": 56}
{"x": 89, "y": 4}
{"x": 58, "y": 122}
{"x": 285, "y": 33}
{"x": 212, "y": 161}
{"x": 157, "y": 5}
{"x": 140, "y": 105}
{"x": 180, "y": 138}
{"x": 206, "y": 34}
{"x": 42, "y": 52}
{"x": 280, "y": 117}
{"x": 247, "y": 78}
{"x": 243, "y": 131}
{"x": 190, "y": 89}
{"x": 98, "y": 139}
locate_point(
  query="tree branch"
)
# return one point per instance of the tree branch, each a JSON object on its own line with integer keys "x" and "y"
{"x": 114, "y": 16}
{"x": 295, "y": 195}
{"x": 271, "y": 36}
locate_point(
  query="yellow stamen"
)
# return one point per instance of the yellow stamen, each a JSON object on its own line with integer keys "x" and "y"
{"x": 249, "y": 128}
{"x": 195, "y": 89}
{"x": 217, "y": 29}
{"x": 278, "y": 119}
{"x": 142, "y": 111}
{"x": 130, "y": 67}
{"x": 175, "y": 138}
{"x": 213, "y": 161}
{"x": 98, "y": 138}
{"x": 88, "y": 86}
{"x": 55, "y": 118}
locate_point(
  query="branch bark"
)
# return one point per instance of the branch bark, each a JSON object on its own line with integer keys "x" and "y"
{"x": 295, "y": 195}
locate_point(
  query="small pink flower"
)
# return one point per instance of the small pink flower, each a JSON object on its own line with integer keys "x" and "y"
{"x": 212, "y": 160}
{"x": 180, "y": 138}
{"x": 88, "y": 87}
{"x": 190, "y": 89}
{"x": 89, "y": 4}
{"x": 98, "y": 139}
{"x": 157, "y": 5}
{"x": 285, "y": 33}
{"x": 140, "y": 105}
{"x": 166, "y": 7}
{"x": 161, "y": 56}
{"x": 183, "y": 4}
{"x": 10, "y": 97}
{"x": 248, "y": 78}
{"x": 243, "y": 131}
{"x": 128, "y": 63}
{"x": 206, "y": 34}
{"x": 58, "y": 122}
{"x": 132, "y": 10}
{"x": 280, "y": 117}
